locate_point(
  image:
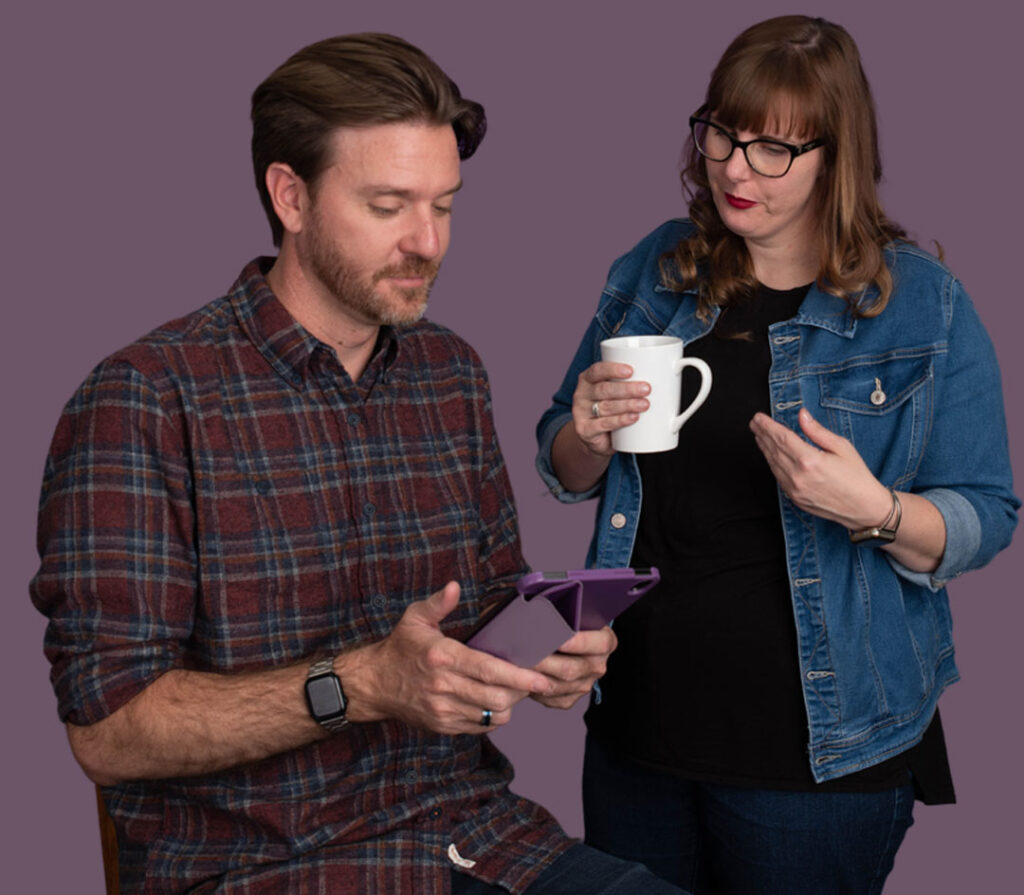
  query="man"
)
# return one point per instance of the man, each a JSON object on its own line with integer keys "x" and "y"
{"x": 265, "y": 527}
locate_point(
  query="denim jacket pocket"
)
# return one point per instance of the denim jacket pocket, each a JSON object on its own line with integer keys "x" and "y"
{"x": 884, "y": 406}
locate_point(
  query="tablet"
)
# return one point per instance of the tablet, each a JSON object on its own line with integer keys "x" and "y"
{"x": 549, "y": 607}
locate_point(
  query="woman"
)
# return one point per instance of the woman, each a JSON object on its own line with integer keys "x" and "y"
{"x": 770, "y": 713}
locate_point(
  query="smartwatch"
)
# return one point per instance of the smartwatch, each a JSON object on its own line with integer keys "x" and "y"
{"x": 324, "y": 696}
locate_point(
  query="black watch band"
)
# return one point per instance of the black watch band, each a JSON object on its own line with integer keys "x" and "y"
{"x": 324, "y": 696}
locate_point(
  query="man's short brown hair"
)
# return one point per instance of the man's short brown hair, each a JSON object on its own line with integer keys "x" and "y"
{"x": 354, "y": 80}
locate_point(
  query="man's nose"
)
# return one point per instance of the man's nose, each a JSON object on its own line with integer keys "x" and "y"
{"x": 422, "y": 237}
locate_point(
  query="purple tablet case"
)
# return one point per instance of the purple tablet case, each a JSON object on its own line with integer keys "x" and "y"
{"x": 552, "y": 606}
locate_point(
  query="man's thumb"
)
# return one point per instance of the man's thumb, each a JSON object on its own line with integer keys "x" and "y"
{"x": 440, "y": 603}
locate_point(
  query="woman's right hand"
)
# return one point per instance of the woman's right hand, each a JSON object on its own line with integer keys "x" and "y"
{"x": 604, "y": 402}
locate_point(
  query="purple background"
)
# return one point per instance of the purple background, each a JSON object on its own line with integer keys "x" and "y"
{"x": 129, "y": 200}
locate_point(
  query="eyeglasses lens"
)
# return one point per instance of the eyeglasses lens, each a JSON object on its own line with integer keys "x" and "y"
{"x": 764, "y": 157}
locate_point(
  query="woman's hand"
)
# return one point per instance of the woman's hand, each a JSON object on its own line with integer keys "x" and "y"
{"x": 603, "y": 402}
{"x": 827, "y": 477}
{"x": 830, "y": 479}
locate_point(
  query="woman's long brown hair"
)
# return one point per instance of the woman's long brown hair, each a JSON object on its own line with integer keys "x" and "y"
{"x": 797, "y": 75}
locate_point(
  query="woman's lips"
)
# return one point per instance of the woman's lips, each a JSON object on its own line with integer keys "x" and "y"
{"x": 737, "y": 202}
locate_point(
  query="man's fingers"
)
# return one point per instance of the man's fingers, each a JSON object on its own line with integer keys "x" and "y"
{"x": 599, "y": 642}
{"x": 435, "y": 608}
{"x": 483, "y": 668}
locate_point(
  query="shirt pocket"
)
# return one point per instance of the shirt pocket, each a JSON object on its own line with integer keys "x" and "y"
{"x": 883, "y": 405}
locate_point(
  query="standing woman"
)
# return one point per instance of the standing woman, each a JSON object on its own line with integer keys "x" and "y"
{"x": 770, "y": 713}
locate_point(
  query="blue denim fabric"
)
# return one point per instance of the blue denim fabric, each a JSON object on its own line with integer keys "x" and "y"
{"x": 876, "y": 648}
{"x": 582, "y": 870}
{"x": 726, "y": 840}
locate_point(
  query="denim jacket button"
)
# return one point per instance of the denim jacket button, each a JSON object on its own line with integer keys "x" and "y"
{"x": 878, "y": 396}
{"x": 618, "y": 520}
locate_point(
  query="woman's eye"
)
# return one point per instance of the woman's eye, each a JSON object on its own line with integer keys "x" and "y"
{"x": 772, "y": 149}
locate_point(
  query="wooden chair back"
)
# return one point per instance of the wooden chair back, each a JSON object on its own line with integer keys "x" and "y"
{"x": 108, "y": 842}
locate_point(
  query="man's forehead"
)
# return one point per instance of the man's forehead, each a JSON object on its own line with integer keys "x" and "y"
{"x": 398, "y": 156}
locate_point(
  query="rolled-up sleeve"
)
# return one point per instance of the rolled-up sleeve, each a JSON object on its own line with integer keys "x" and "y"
{"x": 965, "y": 471}
{"x": 117, "y": 572}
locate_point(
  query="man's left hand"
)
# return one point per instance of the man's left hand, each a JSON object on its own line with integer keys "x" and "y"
{"x": 576, "y": 666}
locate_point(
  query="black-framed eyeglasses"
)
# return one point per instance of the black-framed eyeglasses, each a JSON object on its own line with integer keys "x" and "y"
{"x": 767, "y": 157}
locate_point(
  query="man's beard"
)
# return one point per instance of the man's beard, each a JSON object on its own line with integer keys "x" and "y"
{"x": 355, "y": 292}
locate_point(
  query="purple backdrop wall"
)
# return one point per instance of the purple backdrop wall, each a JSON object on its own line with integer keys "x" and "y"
{"x": 129, "y": 201}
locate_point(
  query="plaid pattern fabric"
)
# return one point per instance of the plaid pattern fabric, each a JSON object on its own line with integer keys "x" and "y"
{"x": 220, "y": 496}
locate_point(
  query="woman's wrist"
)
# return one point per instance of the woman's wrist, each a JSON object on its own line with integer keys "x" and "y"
{"x": 577, "y": 466}
{"x": 884, "y": 532}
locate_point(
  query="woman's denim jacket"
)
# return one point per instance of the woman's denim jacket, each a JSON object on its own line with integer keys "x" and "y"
{"x": 875, "y": 639}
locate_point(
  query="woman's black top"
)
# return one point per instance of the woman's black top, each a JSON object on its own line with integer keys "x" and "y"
{"x": 706, "y": 682}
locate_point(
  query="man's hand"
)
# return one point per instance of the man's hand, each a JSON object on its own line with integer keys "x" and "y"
{"x": 431, "y": 681}
{"x": 577, "y": 665}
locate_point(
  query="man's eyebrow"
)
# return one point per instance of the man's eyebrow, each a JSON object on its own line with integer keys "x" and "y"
{"x": 385, "y": 190}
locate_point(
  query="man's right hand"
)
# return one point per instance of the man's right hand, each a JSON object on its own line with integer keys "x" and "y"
{"x": 196, "y": 722}
{"x": 430, "y": 681}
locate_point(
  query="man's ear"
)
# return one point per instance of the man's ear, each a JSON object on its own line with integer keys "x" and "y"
{"x": 288, "y": 194}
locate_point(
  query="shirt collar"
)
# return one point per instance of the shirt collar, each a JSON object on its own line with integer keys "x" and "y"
{"x": 285, "y": 344}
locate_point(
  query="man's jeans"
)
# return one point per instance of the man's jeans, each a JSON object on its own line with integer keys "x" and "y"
{"x": 580, "y": 871}
{"x": 714, "y": 839}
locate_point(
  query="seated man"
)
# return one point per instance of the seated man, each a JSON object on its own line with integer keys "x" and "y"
{"x": 266, "y": 525}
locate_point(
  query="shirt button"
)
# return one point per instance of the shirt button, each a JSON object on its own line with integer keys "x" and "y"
{"x": 411, "y": 777}
{"x": 379, "y": 601}
{"x": 618, "y": 520}
{"x": 369, "y": 509}
{"x": 436, "y": 813}
{"x": 354, "y": 419}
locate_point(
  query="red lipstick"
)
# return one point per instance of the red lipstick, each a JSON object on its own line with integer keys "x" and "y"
{"x": 737, "y": 202}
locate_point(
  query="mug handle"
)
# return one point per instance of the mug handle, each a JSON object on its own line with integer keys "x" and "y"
{"x": 705, "y": 387}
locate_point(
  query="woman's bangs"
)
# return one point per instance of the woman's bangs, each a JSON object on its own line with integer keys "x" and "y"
{"x": 770, "y": 103}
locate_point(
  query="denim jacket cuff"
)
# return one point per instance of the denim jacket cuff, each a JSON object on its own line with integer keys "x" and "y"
{"x": 547, "y": 471}
{"x": 963, "y": 539}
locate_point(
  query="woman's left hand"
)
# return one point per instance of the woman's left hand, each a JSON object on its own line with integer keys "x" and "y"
{"x": 827, "y": 477}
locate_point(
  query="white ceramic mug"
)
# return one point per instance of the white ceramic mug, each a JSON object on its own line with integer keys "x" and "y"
{"x": 658, "y": 361}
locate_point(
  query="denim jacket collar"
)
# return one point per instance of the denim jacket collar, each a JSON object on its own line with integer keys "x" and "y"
{"x": 819, "y": 308}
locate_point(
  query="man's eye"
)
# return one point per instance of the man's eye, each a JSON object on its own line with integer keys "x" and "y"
{"x": 384, "y": 211}
{"x": 442, "y": 210}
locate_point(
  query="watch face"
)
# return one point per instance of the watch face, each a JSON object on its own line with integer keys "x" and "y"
{"x": 324, "y": 695}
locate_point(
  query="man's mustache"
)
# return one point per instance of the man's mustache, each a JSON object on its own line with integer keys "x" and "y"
{"x": 414, "y": 267}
